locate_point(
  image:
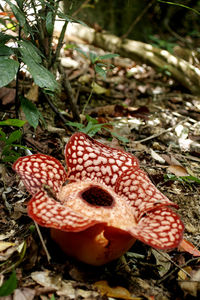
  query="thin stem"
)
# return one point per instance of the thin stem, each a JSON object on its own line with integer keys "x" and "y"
{"x": 88, "y": 100}
{"x": 68, "y": 89}
{"x": 56, "y": 6}
{"x": 42, "y": 241}
{"x": 17, "y": 103}
{"x": 60, "y": 43}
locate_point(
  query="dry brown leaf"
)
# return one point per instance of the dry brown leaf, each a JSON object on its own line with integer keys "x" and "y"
{"x": 114, "y": 292}
{"x": 191, "y": 287}
{"x": 24, "y": 294}
{"x": 157, "y": 157}
{"x": 182, "y": 275}
{"x": 5, "y": 245}
{"x": 177, "y": 170}
{"x": 7, "y": 95}
{"x": 171, "y": 160}
{"x": 33, "y": 93}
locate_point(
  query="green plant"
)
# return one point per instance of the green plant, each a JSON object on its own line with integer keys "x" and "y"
{"x": 162, "y": 44}
{"x": 93, "y": 127}
{"x": 9, "y": 285}
{"x": 183, "y": 179}
{"x": 99, "y": 66}
{"x": 11, "y": 141}
{"x": 34, "y": 23}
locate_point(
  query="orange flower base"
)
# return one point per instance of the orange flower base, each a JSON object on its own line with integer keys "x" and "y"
{"x": 96, "y": 245}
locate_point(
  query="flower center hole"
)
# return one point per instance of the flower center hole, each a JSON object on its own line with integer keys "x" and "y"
{"x": 97, "y": 196}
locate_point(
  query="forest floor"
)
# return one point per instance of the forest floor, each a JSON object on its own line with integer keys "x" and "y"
{"x": 156, "y": 120}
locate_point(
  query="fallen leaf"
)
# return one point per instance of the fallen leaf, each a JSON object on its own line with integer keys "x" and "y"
{"x": 177, "y": 170}
{"x": 33, "y": 93}
{"x": 5, "y": 245}
{"x": 70, "y": 291}
{"x": 114, "y": 292}
{"x": 186, "y": 246}
{"x": 45, "y": 279}
{"x": 182, "y": 275}
{"x": 171, "y": 160}
{"x": 24, "y": 294}
{"x": 192, "y": 286}
{"x": 162, "y": 261}
{"x": 157, "y": 157}
{"x": 7, "y": 95}
{"x": 99, "y": 89}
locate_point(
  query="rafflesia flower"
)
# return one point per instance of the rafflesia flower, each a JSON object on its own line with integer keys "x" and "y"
{"x": 101, "y": 205}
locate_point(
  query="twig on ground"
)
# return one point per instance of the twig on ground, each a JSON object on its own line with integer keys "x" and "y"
{"x": 160, "y": 133}
{"x": 42, "y": 241}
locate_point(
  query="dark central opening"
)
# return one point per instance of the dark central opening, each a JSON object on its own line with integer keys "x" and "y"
{"x": 97, "y": 196}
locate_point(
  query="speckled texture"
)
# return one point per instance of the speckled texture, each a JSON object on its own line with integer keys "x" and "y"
{"x": 137, "y": 208}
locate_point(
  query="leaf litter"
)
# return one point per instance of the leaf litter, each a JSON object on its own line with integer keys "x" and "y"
{"x": 160, "y": 124}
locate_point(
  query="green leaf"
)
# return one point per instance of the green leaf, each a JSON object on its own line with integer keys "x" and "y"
{"x": 14, "y": 136}
{"x": 9, "y": 285}
{"x": 8, "y": 69}
{"x": 93, "y": 57}
{"x": 107, "y": 56}
{"x": 75, "y": 124}
{"x": 119, "y": 137}
{"x": 11, "y": 158}
{"x": 4, "y": 38}
{"x": 181, "y": 5}
{"x": 70, "y": 19}
{"x": 28, "y": 50}
{"x": 100, "y": 71}
{"x": 49, "y": 22}
{"x": 2, "y": 135}
{"x": 82, "y": 52}
{"x": 31, "y": 112}
{"x": 13, "y": 122}
{"x": 5, "y": 50}
{"x": 70, "y": 46}
{"x": 42, "y": 77}
{"x": 18, "y": 13}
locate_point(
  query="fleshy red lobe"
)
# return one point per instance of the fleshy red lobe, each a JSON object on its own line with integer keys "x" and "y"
{"x": 50, "y": 213}
{"x": 160, "y": 228}
{"x": 38, "y": 170}
{"x": 142, "y": 194}
{"x": 87, "y": 158}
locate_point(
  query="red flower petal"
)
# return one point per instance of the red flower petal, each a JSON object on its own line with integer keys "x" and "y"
{"x": 38, "y": 169}
{"x": 89, "y": 159}
{"x": 49, "y": 213}
{"x": 160, "y": 228}
{"x": 142, "y": 195}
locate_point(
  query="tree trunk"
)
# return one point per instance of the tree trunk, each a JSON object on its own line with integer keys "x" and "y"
{"x": 182, "y": 71}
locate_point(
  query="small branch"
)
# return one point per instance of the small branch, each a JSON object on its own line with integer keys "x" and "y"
{"x": 54, "y": 108}
{"x": 160, "y": 133}
{"x": 80, "y": 8}
{"x": 139, "y": 17}
{"x": 69, "y": 92}
{"x": 43, "y": 243}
